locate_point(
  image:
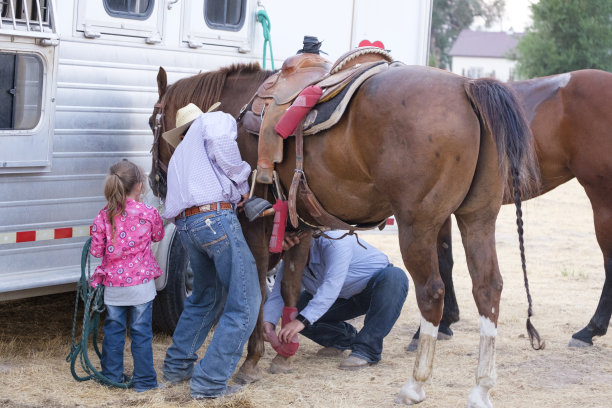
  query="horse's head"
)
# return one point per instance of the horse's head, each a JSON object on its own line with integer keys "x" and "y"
{"x": 233, "y": 86}
{"x": 160, "y": 149}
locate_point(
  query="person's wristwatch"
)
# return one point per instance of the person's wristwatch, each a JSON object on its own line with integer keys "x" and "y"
{"x": 302, "y": 319}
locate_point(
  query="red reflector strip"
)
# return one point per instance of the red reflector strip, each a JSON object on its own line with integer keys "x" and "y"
{"x": 45, "y": 234}
{"x": 63, "y": 233}
{"x": 390, "y": 221}
{"x": 26, "y": 236}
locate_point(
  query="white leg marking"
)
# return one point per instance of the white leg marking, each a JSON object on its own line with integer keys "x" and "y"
{"x": 485, "y": 374}
{"x": 412, "y": 392}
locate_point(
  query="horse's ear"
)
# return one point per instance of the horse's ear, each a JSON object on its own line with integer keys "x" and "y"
{"x": 162, "y": 81}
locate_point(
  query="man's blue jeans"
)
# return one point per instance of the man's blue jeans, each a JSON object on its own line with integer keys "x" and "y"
{"x": 141, "y": 334}
{"x": 225, "y": 289}
{"x": 381, "y": 301}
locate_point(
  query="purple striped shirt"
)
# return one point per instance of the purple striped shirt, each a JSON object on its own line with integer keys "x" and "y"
{"x": 206, "y": 167}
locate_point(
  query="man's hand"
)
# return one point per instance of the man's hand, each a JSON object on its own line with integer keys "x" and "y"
{"x": 245, "y": 197}
{"x": 290, "y": 330}
{"x": 290, "y": 241}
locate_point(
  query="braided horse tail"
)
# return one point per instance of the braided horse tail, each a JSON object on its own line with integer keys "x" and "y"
{"x": 500, "y": 111}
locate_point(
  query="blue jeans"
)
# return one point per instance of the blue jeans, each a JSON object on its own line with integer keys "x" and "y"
{"x": 225, "y": 289}
{"x": 141, "y": 334}
{"x": 381, "y": 301}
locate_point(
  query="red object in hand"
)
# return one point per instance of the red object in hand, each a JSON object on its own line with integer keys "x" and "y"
{"x": 286, "y": 349}
{"x": 281, "y": 209}
{"x": 298, "y": 109}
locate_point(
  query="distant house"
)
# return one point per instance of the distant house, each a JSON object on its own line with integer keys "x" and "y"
{"x": 478, "y": 54}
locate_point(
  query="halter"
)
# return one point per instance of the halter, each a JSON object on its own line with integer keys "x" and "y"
{"x": 161, "y": 170}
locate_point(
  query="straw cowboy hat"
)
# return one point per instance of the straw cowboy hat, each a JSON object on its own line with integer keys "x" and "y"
{"x": 184, "y": 118}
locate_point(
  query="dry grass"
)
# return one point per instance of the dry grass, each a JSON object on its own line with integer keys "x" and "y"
{"x": 566, "y": 276}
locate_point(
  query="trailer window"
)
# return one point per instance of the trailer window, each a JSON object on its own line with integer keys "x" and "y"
{"x": 134, "y": 9}
{"x": 21, "y": 87}
{"x": 31, "y": 11}
{"x": 225, "y": 14}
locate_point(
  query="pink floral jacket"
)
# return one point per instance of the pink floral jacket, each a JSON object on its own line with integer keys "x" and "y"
{"x": 127, "y": 260}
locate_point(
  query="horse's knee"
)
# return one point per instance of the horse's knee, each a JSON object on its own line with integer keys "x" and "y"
{"x": 488, "y": 293}
{"x": 435, "y": 289}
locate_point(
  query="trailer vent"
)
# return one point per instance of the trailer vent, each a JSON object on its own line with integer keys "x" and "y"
{"x": 31, "y": 18}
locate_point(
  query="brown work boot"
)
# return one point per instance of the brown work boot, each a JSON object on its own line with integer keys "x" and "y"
{"x": 329, "y": 352}
{"x": 354, "y": 363}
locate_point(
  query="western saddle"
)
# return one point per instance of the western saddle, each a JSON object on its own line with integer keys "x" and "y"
{"x": 338, "y": 82}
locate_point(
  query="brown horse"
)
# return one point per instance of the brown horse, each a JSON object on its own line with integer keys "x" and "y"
{"x": 570, "y": 120}
{"x": 422, "y": 144}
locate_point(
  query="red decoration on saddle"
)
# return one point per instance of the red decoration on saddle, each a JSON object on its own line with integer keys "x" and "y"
{"x": 298, "y": 109}
{"x": 281, "y": 209}
{"x": 366, "y": 43}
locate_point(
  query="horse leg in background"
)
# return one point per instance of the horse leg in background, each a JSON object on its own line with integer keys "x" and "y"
{"x": 294, "y": 262}
{"x": 598, "y": 326}
{"x": 450, "y": 312}
{"x": 417, "y": 244}
{"x": 478, "y": 236}
{"x": 257, "y": 236}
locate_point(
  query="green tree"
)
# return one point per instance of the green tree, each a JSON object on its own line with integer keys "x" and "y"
{"x": 566, "y": 35}
{"x": 449, "y": 17}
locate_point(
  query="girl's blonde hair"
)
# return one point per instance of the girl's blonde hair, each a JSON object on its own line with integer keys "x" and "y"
{"x": 122, "y": 179}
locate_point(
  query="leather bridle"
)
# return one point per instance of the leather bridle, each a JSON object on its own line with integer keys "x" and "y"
{"x": 160, "y": 168}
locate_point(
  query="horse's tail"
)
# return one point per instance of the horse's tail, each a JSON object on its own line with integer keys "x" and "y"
{"x": 500, "y": 112}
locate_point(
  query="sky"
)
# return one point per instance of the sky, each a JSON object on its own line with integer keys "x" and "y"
{"x": 517, "y": 16}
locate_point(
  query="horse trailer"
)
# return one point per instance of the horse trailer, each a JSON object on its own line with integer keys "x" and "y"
{"x": 78, "y": 84}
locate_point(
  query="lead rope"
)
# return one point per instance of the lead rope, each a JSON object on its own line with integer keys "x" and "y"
{"x": 262, "y": 17}
{"x": 93, "y": 301}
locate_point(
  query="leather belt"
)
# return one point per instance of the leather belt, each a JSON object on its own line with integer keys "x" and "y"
{"x": 204, "y": 208}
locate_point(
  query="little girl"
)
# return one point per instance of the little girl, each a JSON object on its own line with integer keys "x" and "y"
{"x": 121, "y": 235}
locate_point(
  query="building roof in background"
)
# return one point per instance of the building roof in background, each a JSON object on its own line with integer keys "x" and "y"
{"x": 493, "y": 44}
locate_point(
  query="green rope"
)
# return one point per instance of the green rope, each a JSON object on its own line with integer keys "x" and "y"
{"x": 93, "y": 301}
{"x": 262, "y": 17}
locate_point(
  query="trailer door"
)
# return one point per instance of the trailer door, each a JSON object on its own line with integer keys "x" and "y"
{"x": 27, "y": 85}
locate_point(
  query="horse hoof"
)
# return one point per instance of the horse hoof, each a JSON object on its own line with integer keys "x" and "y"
{"x": 479, "y": 398}
{"x": 247, "y": 376}
{"x": 411, "y": 393}
{"x": 445, "y": 332}
{"x": 414, "y": 344}
{"x": 579, "y": 343}
{"x": 280, "y": 365}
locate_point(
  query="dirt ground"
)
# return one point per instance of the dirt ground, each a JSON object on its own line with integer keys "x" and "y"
{"x": 566, "y": 276}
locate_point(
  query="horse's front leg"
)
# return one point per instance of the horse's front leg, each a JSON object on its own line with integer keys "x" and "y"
{"x": 294, "y": 261}
{"x": 418, "y": 247}
{"x": 257, "y": 236}
{"x": 478, "y": 237}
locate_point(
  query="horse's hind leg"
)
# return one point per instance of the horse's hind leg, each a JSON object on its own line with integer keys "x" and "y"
{"x": 417, "y": 244}
{"x": 478, "y": 235}
{"x": 450, "y": 313}
{"x": 598, "y": 325}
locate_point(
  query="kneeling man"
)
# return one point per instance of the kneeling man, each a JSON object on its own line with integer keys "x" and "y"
{"x": 342, "y": 280}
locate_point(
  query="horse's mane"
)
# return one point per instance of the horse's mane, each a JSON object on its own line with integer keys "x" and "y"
{"x": 205, "y": 88}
